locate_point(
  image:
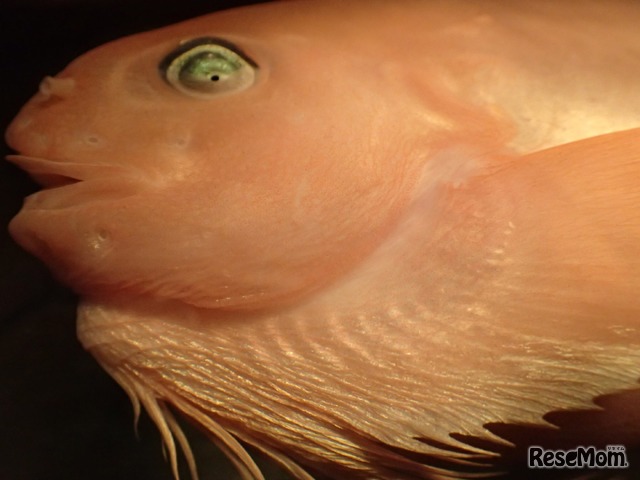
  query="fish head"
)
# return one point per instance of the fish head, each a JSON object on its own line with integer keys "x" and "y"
{"x": 264, "y": 163}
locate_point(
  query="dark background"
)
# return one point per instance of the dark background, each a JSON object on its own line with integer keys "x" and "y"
{"x": 61, "y": 416}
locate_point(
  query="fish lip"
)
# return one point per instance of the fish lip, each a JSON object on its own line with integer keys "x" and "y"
{"x": 54, "y": 173}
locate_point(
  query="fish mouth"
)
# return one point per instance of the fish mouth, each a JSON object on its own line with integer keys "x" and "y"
{"x": 50, "y": 173}
{"x": 69, "y": 184}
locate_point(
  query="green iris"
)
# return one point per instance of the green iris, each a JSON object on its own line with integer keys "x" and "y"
{"x": 205, "y": 67}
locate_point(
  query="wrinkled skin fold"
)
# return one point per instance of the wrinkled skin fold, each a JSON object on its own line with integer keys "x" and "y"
{"x": 401, "y": 233}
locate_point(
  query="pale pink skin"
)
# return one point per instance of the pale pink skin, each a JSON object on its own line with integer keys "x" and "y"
{"x": 421, "y": 218}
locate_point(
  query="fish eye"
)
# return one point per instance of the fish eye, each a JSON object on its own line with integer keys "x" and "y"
{"x": 208, "y": 66}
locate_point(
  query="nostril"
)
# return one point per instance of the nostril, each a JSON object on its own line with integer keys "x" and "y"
{"x": 56, "y": 87}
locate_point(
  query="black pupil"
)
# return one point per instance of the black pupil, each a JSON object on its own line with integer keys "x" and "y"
{"x": 215, "y": 78}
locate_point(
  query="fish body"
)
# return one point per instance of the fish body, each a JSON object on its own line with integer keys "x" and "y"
{"x": 355, "y": 235}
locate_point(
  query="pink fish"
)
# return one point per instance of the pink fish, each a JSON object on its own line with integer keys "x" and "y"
{"x": 370, "y": 239}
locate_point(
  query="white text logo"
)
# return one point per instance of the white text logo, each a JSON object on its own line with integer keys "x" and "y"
{"x": 614, "y": 456}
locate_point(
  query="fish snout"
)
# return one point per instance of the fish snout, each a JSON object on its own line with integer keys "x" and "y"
{"x": 57, "y": 123}
{"x": 32, "y": 131}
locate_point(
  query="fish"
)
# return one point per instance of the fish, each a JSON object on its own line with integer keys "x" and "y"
{"x": 363, "y": 237}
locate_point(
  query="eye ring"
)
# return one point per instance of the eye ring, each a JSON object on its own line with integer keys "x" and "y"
{"x": 208, "y": 66}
